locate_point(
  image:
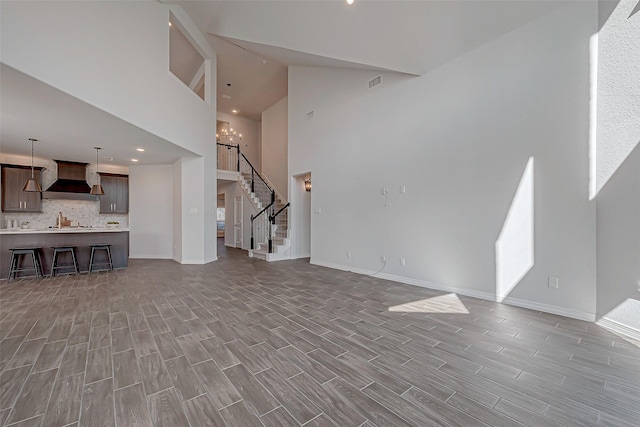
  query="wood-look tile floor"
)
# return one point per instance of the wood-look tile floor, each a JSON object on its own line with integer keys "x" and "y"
{"x": 242, "y": 342}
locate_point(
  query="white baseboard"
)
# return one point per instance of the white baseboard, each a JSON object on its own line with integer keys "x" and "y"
{"x": 149, "y": 256}
{"x": 567, "y": 312}
{"x": 301, "y": 256}
{"x": 553, "y": 309}
{"x": 410, "y": 281}
{"x": 620, "y": 328}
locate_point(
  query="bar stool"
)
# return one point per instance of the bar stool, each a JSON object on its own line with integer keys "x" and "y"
{"x": 92, "y": 262}
{"x": 57, "y": 250}
{"x": 17, "y": 253}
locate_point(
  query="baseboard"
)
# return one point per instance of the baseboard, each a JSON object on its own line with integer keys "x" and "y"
{"x": 552, "y": 309}
{"x": 192, "y": 261}
{"x": 149, "y": 256}
{"x": 301, "y": 256}
{"x": 620, "y": 328}
{"x": 410, "y": 281}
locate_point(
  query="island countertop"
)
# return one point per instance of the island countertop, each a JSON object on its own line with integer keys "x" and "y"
{"x": 62, "y": 230}
{"x": 81, "y": 238}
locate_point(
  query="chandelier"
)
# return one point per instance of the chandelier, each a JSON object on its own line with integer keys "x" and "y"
{"x": 228, "y": 135}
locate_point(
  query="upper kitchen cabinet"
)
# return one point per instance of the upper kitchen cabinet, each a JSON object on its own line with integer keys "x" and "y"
{"x": 116, "y": 193}
{"x": 13, "y": 198}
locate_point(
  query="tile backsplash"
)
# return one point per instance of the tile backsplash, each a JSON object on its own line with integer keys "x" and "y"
{"x": 86, "y": 213}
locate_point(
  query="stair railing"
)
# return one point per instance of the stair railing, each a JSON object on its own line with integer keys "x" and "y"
{"x": 272, "y": 221}
{"x": 232, "y": 159}
{"x": 266, "y": 223}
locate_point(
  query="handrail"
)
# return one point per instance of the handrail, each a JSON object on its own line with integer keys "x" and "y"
{"x": 256, "y": 171}
{"x": 278, "y": 193}
{"x": 273, "y": 217}
{"x": 227, "y": 145}
{"x": 262, "y": 211}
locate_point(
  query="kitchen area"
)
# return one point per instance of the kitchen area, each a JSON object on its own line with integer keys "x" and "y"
{"x": 64, "y": 213}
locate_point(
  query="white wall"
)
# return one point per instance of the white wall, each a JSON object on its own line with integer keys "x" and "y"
{"x": 73, "y": 47}
{"x": 619, "y": 245}
{"x": 274, "y": 145}
{"x": 459, "y": 138}
{"x": 618, "y": 168}
{"x": 251, "y": 136}
{"x": 177, "y": 210}
{"x": 151, "y": 219}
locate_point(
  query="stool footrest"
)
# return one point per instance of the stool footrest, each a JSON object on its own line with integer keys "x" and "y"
{"x": 14, "y": 266}
{"x": 93, "y": 262}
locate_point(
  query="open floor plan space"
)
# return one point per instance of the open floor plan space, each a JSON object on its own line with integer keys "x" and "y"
{"x": 242, "y": 342}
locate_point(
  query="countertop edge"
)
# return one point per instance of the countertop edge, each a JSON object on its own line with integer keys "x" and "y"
{"x": 63, "y": 230}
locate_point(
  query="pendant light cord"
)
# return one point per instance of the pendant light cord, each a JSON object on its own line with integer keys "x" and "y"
{"x": 32, "y": 141}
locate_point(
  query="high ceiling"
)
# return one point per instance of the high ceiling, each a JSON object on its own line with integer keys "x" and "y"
{"x": 255, "y": 42}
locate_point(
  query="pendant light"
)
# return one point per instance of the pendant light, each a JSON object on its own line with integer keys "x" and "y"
{"x": 228, "y": 136}
{"x": 32, "y": 185}
{"x": 96, "y": 189}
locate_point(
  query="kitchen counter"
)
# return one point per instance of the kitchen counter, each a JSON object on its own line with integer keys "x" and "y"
{"x": 82, "y": 238}
{"x": 62, "y": 230}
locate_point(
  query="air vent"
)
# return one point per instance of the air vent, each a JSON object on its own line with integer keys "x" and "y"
{"x": 311, "y": 114}
{"x": 108, "y": 159}
{"x": 375, "y": 82}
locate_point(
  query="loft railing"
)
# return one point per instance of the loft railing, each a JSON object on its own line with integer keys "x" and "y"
{"x": 232, "y": 159}
{"x": 228, "y": 157}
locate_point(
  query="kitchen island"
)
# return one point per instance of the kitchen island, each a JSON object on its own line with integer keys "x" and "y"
{"x": 118, "y": 238}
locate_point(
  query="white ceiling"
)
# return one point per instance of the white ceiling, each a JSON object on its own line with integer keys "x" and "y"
{"x": 255, "y": 42}
{"x": 68, "y": 129}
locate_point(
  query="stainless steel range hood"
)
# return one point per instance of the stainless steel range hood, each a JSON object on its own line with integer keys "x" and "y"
{"x": 71, "y": 183}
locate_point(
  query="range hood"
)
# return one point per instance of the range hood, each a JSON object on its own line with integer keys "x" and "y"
{"x": 71, "y": 183}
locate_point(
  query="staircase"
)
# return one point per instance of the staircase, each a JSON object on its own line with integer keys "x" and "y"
{"x": 270, "y": 227}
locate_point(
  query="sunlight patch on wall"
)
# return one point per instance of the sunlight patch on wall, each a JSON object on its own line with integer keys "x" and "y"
{"x": 618, "y": 93}
{"x": 593, "y": 114}
{"x": 515, "y": 244}
{"x": 449, "y": 303}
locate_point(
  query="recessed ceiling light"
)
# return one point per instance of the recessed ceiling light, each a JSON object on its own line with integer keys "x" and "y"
{"x": 134, "y": 160}
{"x": 170, "y": 23}
{"x": 349, "y": 2}
{"x": 234, "y": 111}
{"x": 140, "y": 149}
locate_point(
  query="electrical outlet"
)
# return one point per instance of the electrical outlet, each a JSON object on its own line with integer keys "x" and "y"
{"x": 553, "y": 282}
{"x": 403, "y": 261}
{"x": 348, "y": 254}
{"x": 403, "y": 189}
{"x": 383, "y": 258}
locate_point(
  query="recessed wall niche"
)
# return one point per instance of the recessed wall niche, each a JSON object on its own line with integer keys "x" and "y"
{"x": 185, "y": 61}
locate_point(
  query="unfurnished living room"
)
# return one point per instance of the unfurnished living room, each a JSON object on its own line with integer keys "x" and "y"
{"x": 336, "y": 213}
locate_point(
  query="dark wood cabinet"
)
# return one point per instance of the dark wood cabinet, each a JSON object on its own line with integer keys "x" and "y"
{"x": 13, "y": 198}
{"x": 116, "y": 193}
